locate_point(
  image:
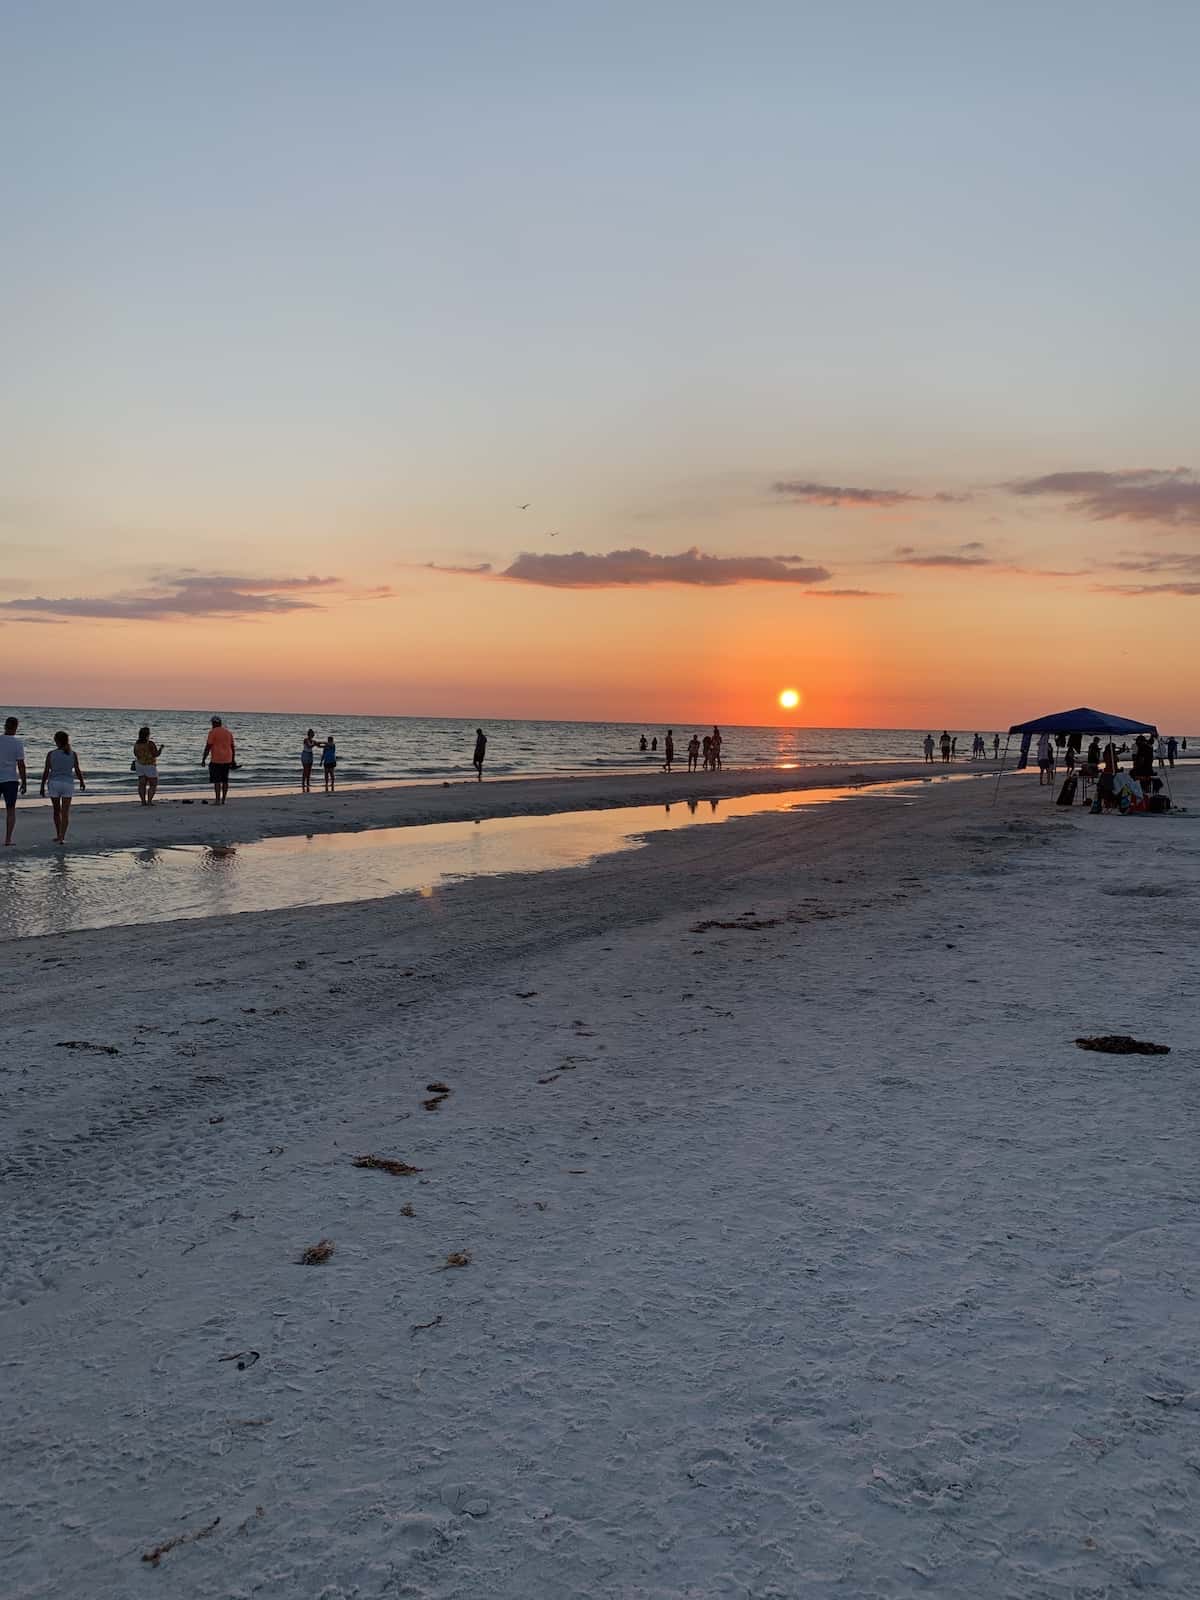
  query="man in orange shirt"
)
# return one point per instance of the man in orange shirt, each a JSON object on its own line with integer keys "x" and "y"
{"x": 221, "y": 755}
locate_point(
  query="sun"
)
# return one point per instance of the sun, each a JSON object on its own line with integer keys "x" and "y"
{"x": 789, "y": 699}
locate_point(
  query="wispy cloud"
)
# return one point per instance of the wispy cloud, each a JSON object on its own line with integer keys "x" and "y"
{"x": 1189, "y": 590}
{"x": 168, "y": 596}
{"x": 476, "y": 571}
{"x": 830, "y": 494}
{"x": 1137, "y": 494}
{"x": 639, "y": 568}
{"x": 971, "y": 554}
{"x": 1151, "y": 562}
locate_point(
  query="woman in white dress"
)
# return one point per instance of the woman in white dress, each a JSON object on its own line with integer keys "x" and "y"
{"x": 59, "y": 775}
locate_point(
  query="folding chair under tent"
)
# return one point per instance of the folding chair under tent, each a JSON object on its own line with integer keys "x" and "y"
{"x": 1082, "y": 720}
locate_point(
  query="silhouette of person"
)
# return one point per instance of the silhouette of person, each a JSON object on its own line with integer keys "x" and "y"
{"x": 669, "y": 750}
{"x": 693, "y": 750}
{"x": 642, "y": 745}
{"x": 480, "y": 752}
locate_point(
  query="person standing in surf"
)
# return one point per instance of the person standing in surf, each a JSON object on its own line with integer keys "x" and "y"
{"x": 478, "y": 758}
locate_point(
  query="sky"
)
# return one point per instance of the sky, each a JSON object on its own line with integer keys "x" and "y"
{"x": 628, "y": 361}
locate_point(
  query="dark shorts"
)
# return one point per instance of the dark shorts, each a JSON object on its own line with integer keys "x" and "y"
{"x": 218, "y": 771}
{"x": 9, "y": 793}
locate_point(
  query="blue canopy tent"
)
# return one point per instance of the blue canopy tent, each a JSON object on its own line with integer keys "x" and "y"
{"x": 1083, "y": 719}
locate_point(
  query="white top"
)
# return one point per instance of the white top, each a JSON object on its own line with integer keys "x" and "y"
{"x": 12, "y": 750}
{"x": 62, "y": 763}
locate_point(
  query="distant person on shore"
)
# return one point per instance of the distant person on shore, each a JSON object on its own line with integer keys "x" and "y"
{"x": 1045, "y": 759}
{"x": 954, "y": 747}
{"x": 220, "y": 756}
{"x": 329, "y": 764}
{"x": 12, "y": 773}
{"x": 995, "y": 747}
{"x": 706, "y": 749}
{"x": 307, "y": 749}
{"x": 145, "y": 764}
{"x": 669, "y": 750}
{"x": 654, "y": 744}
{"x": 1093, "y": 753}
{"x": 714, "y": 750}
{"x": 1172, "y": 750}
{"x": 693, "y": 752}
{"x": 1162, "y": 752}
{"x": 477, "y": 759}
{"x": 60, "y": 775}
{"x": 944, "y": 741}
{"x": 927, "y": 746}
{"x": 643, "y": 746}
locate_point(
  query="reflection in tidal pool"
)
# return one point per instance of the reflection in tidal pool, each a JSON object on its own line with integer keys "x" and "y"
{"x": 108, "y": 888}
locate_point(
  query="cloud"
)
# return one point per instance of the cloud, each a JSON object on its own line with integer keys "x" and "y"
{"x": 965, "y": 555}
{"x": 182, "y": 594}
{"x": 1148, "y": 562}
{"x": 474, "y": 572}
{"x": 1136, "y": 590}
{"x": 639, "y": 568}
{"x": 829, "y": 494}
{"x": 1137, "y": 494}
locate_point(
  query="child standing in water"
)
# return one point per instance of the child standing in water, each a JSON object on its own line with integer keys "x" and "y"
{"x": 329, "y": 763}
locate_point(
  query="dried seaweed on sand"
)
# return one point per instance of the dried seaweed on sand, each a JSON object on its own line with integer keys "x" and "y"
{"x": 456, "y": 1258}
{"x": 315, "y": 1255}
{"x": 398, "y": 1169}
{"x": 1122, "y": 1044}
{"x": 160, "y": 1550}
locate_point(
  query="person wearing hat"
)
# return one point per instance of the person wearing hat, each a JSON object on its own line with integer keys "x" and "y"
{"x": 220, "y": 753}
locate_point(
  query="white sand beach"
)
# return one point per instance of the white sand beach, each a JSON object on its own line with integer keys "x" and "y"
{"x": 804, "y": 1253}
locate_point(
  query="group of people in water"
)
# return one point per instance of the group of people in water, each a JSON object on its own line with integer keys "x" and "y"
{"x": 62, "y": 777}
{"x": 948, "y": 745}
{"x": 702, "y": 754}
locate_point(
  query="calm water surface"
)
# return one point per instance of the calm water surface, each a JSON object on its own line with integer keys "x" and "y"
{"x": 109, "y": 888}
{"x": 425, "y": 749}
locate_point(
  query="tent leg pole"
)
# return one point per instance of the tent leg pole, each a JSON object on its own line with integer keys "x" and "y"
{"x": 1000, "y": 774}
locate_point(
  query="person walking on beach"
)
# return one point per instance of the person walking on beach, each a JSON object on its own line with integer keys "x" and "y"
{"x": 995, "y": 747}
{"x": 669, "y": 750}
{"x": 12, "y": 774}
{"x": 1172, "y": 750}
{"x": 145, "y": 764}
{"x": 1161, "y": 752}
{"x": 480, "y": 752}
{"x": 693, "y": 750}
{"x": 1045, "y": 760}
{"x": 220, "y": 755}
{"x": 944, "y": 741}
{"x": 642, "y": 746}
{"x": 329, "y": 764}
{"x": 928, "y": 747}
{"x": 307, "y": 748}
{"x": 706, "y": 751}
{"x": 714, "y": 750}
{"x": 60, "y": 774}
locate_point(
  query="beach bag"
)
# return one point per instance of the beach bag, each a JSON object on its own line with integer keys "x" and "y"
{"x": 1066, "y": 795}
{"x": 1097, "y": 805}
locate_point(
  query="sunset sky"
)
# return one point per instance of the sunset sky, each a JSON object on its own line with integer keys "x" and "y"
{"x": 844, "y": 347}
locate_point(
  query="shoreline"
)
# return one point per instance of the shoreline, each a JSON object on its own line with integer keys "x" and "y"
{"x": 106, "y": 824}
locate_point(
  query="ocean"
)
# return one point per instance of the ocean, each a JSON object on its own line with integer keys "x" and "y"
{"x": 425, "y": 749}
